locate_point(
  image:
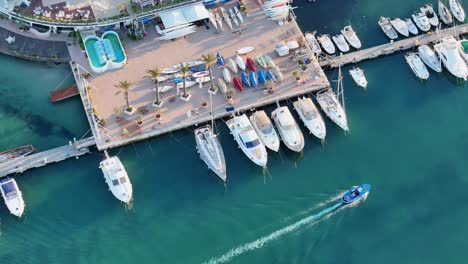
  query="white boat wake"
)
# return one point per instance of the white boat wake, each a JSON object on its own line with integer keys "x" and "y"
{"x": 259, "y": 243}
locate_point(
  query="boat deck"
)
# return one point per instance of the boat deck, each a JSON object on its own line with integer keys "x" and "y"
{"x": 389, "y": 48}
{"x": 36, "y": 160}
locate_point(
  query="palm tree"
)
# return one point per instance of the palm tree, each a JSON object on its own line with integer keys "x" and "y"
{"x": 184, "y": 69}
{"x": 209, "y": 59}
{"x": 125, "y": 86}
{"x": 154, "y": 74}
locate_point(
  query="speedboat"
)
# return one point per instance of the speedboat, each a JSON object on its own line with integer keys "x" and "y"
{"x": 16, "y": 152}
{"x": 117, "y": 178}
{"x": 232, "y": 65}
{"x": 288, "y": 129}
{"x": 238, "y": 14}
{"x": 358, "y": 76}
{"x": 400, "y": 26}
{"x": 326, "y": 43}
{"x": 329, "y": 103}
{"x": 355, "y": 194}
{"x": 444, "y": 13}
{"x": 457, "y": 10}
{"x": 248, "y": 139}
{"x": 387, "y": 28}
{"x": 226, "y": 17}
{"x": 313, "y": 43}
{"x": 430, "y": 13}
{"x": 265, "y": 130}
{"x": 341, "y": 43}
{"x": 211, "y": 151}
{"x": 12, "y": 196}
{"x": 416, "y": 64}
{"x": 411, "y": 26}
{"x": 449, "y": 52}
{"x": 421, "y": 21}
{"x": 430, "y": 58}
{"x": 311, "y": 117}
{"x": 351, "y": 36}
{"x": 240, "y": 62}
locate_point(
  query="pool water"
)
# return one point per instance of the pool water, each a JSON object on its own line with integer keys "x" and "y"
{"x": 116, "y": 46}
{"x": 89, "y": 44}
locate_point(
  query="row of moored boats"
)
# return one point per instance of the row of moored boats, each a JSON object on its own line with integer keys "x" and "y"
{"x": 343, "y": 41}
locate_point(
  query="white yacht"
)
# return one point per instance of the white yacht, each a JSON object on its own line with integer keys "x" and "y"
{"x": 416, "y": 64}
{"x": 117, "y": 178}
{"x": 457, "y": 10}
{"x": 12, "y": 196}
{"x": 430, "y": 13}
{"x": 313, "y": 42}
{"x": 430, "y": 58}
{"x": 400, "y": 26}
{"x": 311, "y": 117}
{"x": 329, "y": 103}
{"x": 265, "y": 130}
{"x": 464, "y": 49}
{"x": 290, "y": 132}
{"x": 351, "y": 36}
{"x": 248, "y": 140}
{"x": 421, "y": 21}
{"x": 444, "y": 13}
{"x": 326, "y": 43}
{"x": 449, "y": 52}
{"x": 211, "y": 151}
{"x": 358, "y": 76}
{"x": 341, "y": 43}
{"x": 387, "y": 28}
{"x": 411, "y": 26}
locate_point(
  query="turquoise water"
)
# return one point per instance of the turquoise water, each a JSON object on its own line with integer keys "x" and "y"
{"x": 116, "y": 46}
{"x": 409, "y": 139}
{"x": 89, "y": 44}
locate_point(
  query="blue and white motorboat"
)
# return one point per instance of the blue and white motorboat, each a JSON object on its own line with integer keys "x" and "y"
{"x": 179, "y": 79}
{"x": 355, "y": 194}
{"x": 253, "y": 79}
{"x": 261, "y": 77}
{"x": 270, "y": 76}
{"x": 219, "y": 59}
{"x": 245, "y": 79}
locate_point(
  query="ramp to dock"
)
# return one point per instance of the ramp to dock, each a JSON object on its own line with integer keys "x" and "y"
{"x": 64, "y": 93}
{"x": 21, "y": 164}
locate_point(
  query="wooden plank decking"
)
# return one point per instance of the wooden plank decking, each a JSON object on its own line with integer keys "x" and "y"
{"x": 404, "y": 44}
{"x": 64, "y": 93}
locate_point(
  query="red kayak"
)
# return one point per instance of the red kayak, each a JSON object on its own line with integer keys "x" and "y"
{"x": 237, "y": 83}
{"x": 251, "y": 64}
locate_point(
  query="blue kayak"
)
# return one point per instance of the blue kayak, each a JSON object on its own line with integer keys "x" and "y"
{"x": 179, "y": 79}
{"x": 355, "y": 194}
{"x": 219, "y": 59}
{"x": 253, "y": 79}
{"x": 245, "y": 79}
{"x": 261, "y": 77}
{"x": 270, "y": 76}
{"x": 198, "y": 68}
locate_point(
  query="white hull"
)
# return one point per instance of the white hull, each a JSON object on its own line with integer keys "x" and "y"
{"x": 226, "y": 17}
{"x": 351, "y": 36}
{"x": 12, "y": 196}
{"x": 270, "y": 61}
{"x": 332, "y": 108}
{"x": 421, "y": 21}
{"x": 431, "y": 15}
{"x": 430, "y": 58}
{"x": 240, "y": 62}
{"x": 341, "y": 43}
{"x": 457, "y": 10}
{"x": 411, "y": 26}
{"x": 387, "y": 28}
{"x": 222, "y": 85}
{"x": 288, "y": 129}
{"x": 219, "y": 20}
{"x": 449, "y": 52}
{"x": 212, "y": 19}
{"x": 247, "y": 139}
{"x": 400, "y": 26}
{"x": 117, "y": 179}
{"x": 313, "y": 43}
{"x": 358, "y": 76}
{"x": 444, "y": 13}
{"x": 211, "y": 151}
{"x": 226, "y": 75}
{"x": 232, "y": 66}
{"x": 417, "y": 66}
{"x": 239, "y": 15}
{"x": 233, "y": 17}
{"x": 327, "y": 44}
{"x": 311, "y": 117}
{"x": 265, "y": 130}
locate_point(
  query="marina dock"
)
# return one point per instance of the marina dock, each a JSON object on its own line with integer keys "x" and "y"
{"x": 389, "y": 48}
{"x": 64, "y": 93}
{"x": 36, "y": 160}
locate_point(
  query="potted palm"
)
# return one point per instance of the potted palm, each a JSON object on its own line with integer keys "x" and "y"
{"x": 297, "y": 75}
{"x": 184, "y": 69}
{"x": 117, "y": 112}
{"x": 229, "y": 95}
{"x": 157, "y": 110}
{"x": 203, "y": 102}
{"x": 154, "y": 75}
{"x": 210, "y": 59}
{"x": 139, "y": 120}
{"x": 124, "y": 132}
{"x": 270, "y": 85}
{"x": 125, "y": 87}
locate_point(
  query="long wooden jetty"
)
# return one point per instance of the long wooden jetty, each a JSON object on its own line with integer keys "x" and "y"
{"x": 21, "y": 164}
{"x": 389, "y": 48}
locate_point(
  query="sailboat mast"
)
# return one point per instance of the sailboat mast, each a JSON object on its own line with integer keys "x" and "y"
{"x": 340, "y": 89}
{"x": 211, "y": 112}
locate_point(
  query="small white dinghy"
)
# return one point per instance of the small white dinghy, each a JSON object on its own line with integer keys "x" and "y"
{"x": 311, "y": 117}
{"x": 326, "y": 43}
{"x": 212, "y": 19}
{"x": 341, "y": 42}
{"x": 430, "y": 13}
{"x": 240, "y": 62}
{"x": 226, "y": 17}
{"x": 351, "y": 36}
{"x": 222, "y": 85}
{"x": 219, "y": 20}
{"x": 421, "y": 20}
{"x": 411, "y": 26}
{"x": 270, "y": 61}
{"x": 245, "y": 50}
{"x": 226, "y": 75}
{"x": 12, "y": 196}
{"x": 457, "y": 10}
{"x": 417, "y": 65}
{"x": 200, "y": 74}
{"x": 290, "y": 132}
{"x": 313, "y": 43}
{"x": 444, "y": 13}
{"x": 430, "y": 58}
{"x": 232, "y": 65}
{"x": 233, "y": 17}
{"x": 265, "y": 130}
{"x": 239, "y": 15}
{"x": 400, "y": 26}
{"x": 358, "y": 76}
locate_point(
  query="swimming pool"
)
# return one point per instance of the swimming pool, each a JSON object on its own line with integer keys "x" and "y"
{"x": 105, "y": 53}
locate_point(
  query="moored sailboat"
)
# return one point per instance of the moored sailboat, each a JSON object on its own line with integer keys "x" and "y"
{"x": 211, "y": 151}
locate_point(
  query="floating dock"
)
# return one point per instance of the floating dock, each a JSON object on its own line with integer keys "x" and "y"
{"x": 64, "y": 93}
{"x": 389, "y": 48}
{"x": 21, "y": 164}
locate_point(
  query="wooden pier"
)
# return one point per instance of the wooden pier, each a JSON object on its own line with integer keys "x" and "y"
{"x": 64, "y": 93}
{"x": 389, "y": 48}
{"x": 21, "y": 164}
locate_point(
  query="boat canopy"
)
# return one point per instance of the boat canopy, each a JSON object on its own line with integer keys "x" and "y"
{"x": 184, "y": 15}
{"x": 308, "y": 111}
{"x": 264, "y": 123}
{"x": 9, "y": 188}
